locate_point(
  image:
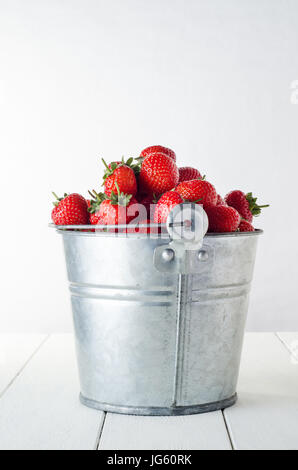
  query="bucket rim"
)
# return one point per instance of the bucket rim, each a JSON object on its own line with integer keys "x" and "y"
{"x": 77, "y": 230}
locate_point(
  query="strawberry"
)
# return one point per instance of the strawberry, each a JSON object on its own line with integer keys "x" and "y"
{"x": 123, "y": 175}
{"x": 245, "y": 204}
{"x": 245, "y": 226}
{"x": 187, "y": 173}
{"x": 147, "y": 201}
{"x": 115, "y": 210}
{"x": 103, "y": 211}
{"x": 70, "y": 210}
{"x": 222, "y": 219}
{"x": 164, "y": 206}
{"x": 138, "y": 229}
{"x": 158, "y": 174}
{"x": 94, "y": 207}
{"x": 95, "y": 219}
{"x": 116, "y": 213}
{"x": 200, "y": 191}
{"x": 158, "y": 149}
{"x": 220, "y": 201}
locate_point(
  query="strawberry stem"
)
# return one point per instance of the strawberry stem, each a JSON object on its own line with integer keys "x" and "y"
{"x": 105, "y": 164}
{"x": 96, "y": 200}
{"x": 120, "y": 199}
{"x": 58, "y": 199}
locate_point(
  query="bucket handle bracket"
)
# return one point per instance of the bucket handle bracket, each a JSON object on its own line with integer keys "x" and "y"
{"x": 186, "y": 224}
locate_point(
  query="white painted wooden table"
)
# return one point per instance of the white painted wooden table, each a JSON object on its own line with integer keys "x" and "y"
{"x": 39, "y": 407}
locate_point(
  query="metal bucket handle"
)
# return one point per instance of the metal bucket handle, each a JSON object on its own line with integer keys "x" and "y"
{"x": 187, "y": 225}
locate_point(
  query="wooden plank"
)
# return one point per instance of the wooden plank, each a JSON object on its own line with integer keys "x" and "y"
{"x": 266, "y": 415}
{"x": 290, "y": 340}
{"x": 15, "y": 351}
{"x": 204, "y": 432}
{"x": 41, "y": 409}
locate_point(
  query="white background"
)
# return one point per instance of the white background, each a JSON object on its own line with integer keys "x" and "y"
{"x": 81, "y": 79}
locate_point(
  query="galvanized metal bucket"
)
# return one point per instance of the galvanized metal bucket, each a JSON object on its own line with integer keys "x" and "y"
{"x": 159, "y": 324}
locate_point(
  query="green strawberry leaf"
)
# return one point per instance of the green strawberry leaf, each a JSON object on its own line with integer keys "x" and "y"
{"x": 253, "y": 206}
{"x": 120, "y": 199}
{"x": 58, "y": 199}
{"x": 96, "y": 200}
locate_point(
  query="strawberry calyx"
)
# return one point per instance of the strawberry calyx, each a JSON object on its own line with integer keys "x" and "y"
{"x": 136, "y": 167}
{"x": 155, "y": 198}
{"x": 109, "y": 169}
{"x": 58, "y": 199}
{"x": 119, "y": 199}
{"x": 254, "y": 208}
{"x": 95, "y": 201}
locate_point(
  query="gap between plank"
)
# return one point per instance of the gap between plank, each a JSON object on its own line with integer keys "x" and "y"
{"x": 228, "y": 429}
{"x": 100, "y": 431}
{"x": 24, "y": 366}
{"x": 287, "y": 346}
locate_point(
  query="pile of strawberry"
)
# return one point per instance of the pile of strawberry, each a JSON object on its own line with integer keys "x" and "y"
{"x": 147, "y": 189}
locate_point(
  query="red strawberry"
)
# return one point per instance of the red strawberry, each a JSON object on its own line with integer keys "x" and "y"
{"x": 147, "y": 201}
{"x": 220, "y": 201}
{"x": 200, "y": 191}
{"x": 103, "y": 210}
{"x": 187, "y": 173}
{"x": 94, "y": 207}
{"x": 164, "y": 206}
{"x": 116, "y": 214}
{"x": 159, "y": 174}
{"x": 95, "y": 219}
{"x": 70, "y": 210}
{"x": 245, "y": 226}
{"x": 245, "y": 204}
{"x": 223, "y": 219}
{"x": 117, "y": 210}
{"x": 158, "y": 149}
{"x": 138, "y": 229}
{"x": 123, "y": 175}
